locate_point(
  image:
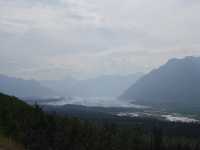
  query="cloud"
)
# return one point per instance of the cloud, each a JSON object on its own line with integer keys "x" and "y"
{"x": 90, "y": 37}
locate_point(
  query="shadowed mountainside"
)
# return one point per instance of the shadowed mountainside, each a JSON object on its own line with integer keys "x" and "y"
{"x": 178, "y": 81}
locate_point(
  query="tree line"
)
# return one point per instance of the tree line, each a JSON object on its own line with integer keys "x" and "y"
{"x": 38, "y": 130}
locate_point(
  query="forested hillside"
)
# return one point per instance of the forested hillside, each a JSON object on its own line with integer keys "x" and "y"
{"x": 36, "y": 130}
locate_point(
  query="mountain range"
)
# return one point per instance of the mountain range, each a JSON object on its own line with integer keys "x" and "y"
{"x": 102, "y": 86}
{"x": 23, "y": 88}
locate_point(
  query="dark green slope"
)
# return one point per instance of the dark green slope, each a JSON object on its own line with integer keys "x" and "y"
{"x": 36, "y": 130}
{"x": 25, "y": 124}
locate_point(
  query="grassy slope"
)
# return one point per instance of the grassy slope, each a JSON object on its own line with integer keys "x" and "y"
{"x": 8, "y": 144}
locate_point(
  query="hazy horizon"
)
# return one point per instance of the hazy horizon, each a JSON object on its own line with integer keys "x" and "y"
{"x": 54, "y": 39}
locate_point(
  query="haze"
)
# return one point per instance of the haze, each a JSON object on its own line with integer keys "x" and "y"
{"x": 52, "y": 39}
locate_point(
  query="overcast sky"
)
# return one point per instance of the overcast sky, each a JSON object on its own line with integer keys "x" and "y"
{"x": 52, "y": 39}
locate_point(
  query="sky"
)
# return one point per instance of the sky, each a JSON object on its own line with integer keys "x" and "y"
{"x": 53, "y": 39}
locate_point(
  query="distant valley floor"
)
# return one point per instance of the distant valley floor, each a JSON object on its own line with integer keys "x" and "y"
{"x": 106, "y": 108}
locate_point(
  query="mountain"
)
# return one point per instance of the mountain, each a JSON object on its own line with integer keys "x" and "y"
{"x": 23, "y": 88}
{"x": 178, "y": 81}
{"x": 102, "y": 86}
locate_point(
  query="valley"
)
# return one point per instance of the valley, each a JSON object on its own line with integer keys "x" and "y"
{"x": 113, "y": 106}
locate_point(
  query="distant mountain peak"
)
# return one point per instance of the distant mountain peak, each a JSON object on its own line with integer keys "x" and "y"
{"x": 185, "y": 59}
{"x": 23, "y": 88}
{"x": 177, "y": 80}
